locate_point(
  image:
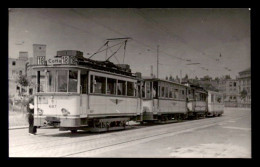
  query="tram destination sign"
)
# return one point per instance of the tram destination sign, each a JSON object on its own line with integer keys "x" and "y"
{"x": 58, "y": 60}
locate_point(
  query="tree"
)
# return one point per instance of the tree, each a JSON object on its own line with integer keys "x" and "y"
{"x": 171, "y": 78}
{"x": 177, "y": 79}
{"x": 206, "y": 78}
{"x": 243, "y": 94}
{"x": 22, "y": 80}
{"x": 217, "y": 78}
{"x": 227, "y": 77}
{"x": 186, "y": 76}
{"x": 167, "y": 78}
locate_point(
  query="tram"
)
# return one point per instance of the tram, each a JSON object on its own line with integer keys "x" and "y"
{"x": 163, "y": 101}
{"x": 196, "y": 101}
{"x": 80, "y": 93}
{"x": 215, "y": 103}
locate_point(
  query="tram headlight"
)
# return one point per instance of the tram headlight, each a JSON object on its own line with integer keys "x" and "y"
{"x": 39, "y": 111}
{"x": 65, "y": 112}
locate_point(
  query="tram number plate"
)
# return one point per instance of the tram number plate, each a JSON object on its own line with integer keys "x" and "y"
{"x": 52, "y": 103}
{"x": 52, "y": 106}
{"x": 65, "y": 60}
{"x": 40, "y": 60}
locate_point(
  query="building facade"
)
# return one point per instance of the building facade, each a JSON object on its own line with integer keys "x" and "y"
{"x": 22, "y": 66}
{"x": 16, "y": 67}
{"x": 229, "y": 88}
{"x": 244, "y": 80}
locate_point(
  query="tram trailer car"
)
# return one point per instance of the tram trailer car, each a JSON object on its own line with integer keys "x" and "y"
{"x": 215, "y": 103}
{"x": 196, "y": 101}
{"x": 74, "y": 97}
{"x": 163, "y": 101}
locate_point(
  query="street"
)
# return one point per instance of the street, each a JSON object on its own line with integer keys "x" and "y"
{"x": 228, "y": 136}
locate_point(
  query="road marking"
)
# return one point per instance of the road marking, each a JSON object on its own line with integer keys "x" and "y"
{"x": 238, "y": 128}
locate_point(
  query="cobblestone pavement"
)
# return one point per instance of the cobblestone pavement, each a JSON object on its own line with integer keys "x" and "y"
{"x": 228, "y": 136}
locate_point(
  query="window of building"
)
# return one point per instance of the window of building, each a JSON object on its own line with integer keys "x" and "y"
{"x": 235, "y": 84}
{"x": 30, "y": 91}
{"x": 111, "y": 86}
{"x": 13, "y": 63}
{"x": 212, "y": 98}
{"x": 121, "y": 87}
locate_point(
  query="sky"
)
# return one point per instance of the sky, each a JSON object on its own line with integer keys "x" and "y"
{"x": 217, "y": 39}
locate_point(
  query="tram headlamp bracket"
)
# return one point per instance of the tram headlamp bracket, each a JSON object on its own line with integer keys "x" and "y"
{"x": 39, "y": 111}
{"x": 65, "y": 112}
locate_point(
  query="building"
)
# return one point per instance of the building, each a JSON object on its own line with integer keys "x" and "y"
{"x": 22, "y": 66}
{"x": 16, "y": 66}
{"x": 244, "y": 80}
{"x": 229, "y": 88}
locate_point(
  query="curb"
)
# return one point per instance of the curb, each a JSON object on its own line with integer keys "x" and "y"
{"x": 18, "y": 127}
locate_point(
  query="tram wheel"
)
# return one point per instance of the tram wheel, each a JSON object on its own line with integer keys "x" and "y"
{"x": 74, "y": 131}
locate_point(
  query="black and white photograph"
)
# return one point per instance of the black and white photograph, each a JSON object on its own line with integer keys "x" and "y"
{"x": 129, "y": 83}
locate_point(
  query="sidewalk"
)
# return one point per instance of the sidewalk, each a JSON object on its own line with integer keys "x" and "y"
{"x": 18, "y": 127}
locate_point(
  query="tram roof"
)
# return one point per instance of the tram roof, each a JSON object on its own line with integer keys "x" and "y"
{"x": 158, "y": 79}
{"x": 82, "y": 67}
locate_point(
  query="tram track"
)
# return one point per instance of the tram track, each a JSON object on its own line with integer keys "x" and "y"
{"x": 93, "y": 136}
{"x": 114, "y": 139}
{"x": 139, "y": 140}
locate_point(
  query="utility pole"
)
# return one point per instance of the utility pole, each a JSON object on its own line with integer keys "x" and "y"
{"x": 158, "y": 61}
{"x": 181, "y": 77}
{"x": 152, "y": 71}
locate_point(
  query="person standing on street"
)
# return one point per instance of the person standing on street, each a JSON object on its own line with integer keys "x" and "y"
{"x": 30, "y": 110}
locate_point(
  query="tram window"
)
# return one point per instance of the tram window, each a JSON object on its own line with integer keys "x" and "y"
{"x": 130, "y": 89}
{"x": 159, "y": 91}
{"x": 170, "y": 92}
{"x": 84, "y": 82}
{"x": 176, "y": 93}
{"x": 40, "y": 82}
{"x": 148, "y": 89}
{"x": 137, "y": 89}
{"x": 121, "y": 87}
{"x": 143, "y": 89}
{"x": 163, "y": 91}
{"x": 183, "y": 94}
{"x": 111, "y": 86}
{"x": 73, "y": 81}
{"x": 51, "y": 81}
{"x": 100, "y": 85}
{"x": 91, "y": 84}
{"x": 62, "y": 81}
{"x": 212, "y": 98}
{"x": 166, "y": 91}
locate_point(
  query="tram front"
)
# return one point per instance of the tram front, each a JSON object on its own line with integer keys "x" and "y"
{"x": 57, "y": 98}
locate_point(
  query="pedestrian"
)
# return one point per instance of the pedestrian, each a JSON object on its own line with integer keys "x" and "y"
{"x": 30, "y": 110}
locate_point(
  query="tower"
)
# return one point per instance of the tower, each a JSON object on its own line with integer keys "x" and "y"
{"x": 39, "y": 53}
